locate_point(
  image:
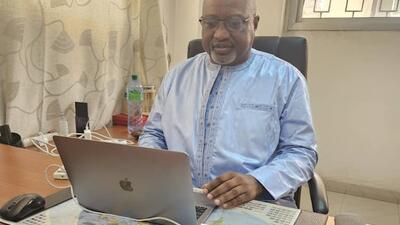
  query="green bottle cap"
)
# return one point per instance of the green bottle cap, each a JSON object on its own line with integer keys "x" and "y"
{"x": 134, "y": 77}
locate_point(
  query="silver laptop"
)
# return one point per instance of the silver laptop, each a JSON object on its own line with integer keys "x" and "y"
{"x": 132, "y": 181}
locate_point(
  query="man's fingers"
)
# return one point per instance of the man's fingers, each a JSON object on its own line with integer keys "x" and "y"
{"x": 233, "y": 189}
{"x": 229, "y": 195}
{"x": 210, "y": 186}
{"x": 243, "y": 198}
{"x": 223, "y": 188}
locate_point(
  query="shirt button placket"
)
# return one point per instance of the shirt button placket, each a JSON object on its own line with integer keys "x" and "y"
{"x": 200, "y": 147}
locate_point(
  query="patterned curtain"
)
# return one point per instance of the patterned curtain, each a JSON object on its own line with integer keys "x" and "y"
{"x": 56, "y": 52}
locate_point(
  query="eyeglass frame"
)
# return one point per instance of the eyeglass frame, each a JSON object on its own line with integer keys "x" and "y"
{"x": 244, "y": 20}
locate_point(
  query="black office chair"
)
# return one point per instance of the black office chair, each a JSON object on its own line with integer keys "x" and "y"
{"x": 294, "y": 51}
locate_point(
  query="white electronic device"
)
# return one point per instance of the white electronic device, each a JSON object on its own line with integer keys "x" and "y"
{"x": 60, "y": 174}
{"x": 117, "y": 141}
{"x": 41, "y": 139}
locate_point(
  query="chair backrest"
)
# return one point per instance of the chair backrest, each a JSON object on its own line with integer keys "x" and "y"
{"x": 290, "y": 49}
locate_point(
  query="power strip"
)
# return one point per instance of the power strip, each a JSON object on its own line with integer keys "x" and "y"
{"x": 45, "y": 138}
{"x": 60, "y": 174}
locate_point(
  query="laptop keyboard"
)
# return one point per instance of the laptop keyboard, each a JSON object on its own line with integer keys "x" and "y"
{"x": 200, "y": 210}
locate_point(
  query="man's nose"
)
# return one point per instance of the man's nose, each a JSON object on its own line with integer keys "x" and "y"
{"x": 221, "y": 32}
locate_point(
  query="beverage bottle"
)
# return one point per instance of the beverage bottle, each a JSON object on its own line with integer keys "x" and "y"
{"x": 134, "y": 95}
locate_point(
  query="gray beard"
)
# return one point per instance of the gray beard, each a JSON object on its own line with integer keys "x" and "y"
{"x": 226, "y": 60}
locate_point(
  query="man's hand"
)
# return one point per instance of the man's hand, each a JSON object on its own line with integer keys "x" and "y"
{"x": 232, "y": 189}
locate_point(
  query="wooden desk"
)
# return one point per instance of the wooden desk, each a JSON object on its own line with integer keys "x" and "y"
{"x": 22, "y": 171}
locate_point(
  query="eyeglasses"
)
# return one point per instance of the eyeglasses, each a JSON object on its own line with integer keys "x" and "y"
{"x": 232, "y": 23}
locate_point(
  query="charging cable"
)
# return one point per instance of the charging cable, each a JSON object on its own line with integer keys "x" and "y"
{"x": 46, "y": 175}
{"x": 42, "y": 143}
{"x": 87, "y": 134}
{"x": 108, "y": 133}
{"x": 120, "y": 217}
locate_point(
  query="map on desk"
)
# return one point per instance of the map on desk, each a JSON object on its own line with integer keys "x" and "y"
{"x": 252, "y": 213}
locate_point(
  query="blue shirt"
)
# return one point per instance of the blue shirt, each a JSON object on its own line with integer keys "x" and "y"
{"x": 253, "y": 118}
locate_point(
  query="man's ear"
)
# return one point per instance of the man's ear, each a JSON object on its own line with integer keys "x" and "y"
{"x": 255, "y": 22}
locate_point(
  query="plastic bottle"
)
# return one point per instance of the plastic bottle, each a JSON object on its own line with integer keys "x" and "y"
{"x": 63, "y": 126}
{"x": 134, "y": 92}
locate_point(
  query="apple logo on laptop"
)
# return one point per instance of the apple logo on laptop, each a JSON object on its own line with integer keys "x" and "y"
{"x": 126, "y": 185}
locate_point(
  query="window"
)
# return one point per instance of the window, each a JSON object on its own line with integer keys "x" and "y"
{"x": 343, "y": 15}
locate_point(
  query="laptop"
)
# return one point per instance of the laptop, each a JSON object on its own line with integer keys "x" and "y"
{"x": 131, "y": 181}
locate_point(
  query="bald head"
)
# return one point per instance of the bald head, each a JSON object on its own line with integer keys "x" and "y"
{"x": 249, "y": 6}
{"x": 252, "y": 6}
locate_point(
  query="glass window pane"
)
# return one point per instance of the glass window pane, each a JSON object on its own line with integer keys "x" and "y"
{"x": 322, "y": 5}
{"x": 308, "y": 10}
{"x": 355, "y": 5}
{"x": 350, "y": 8}
{"x": 389, "y": 5}
{"x": 350, "y": 14}
{"x": 367, "y": 9}
{"x": 338, "y": 10}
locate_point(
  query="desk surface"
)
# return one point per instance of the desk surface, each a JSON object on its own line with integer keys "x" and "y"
{"x": 22, "y": 171}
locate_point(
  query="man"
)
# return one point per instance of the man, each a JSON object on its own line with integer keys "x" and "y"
{"x": 241, "y": 115}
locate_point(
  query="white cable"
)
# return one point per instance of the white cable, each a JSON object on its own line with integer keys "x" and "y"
{"x": 43, "y": 140}
{"x": 54, "y": 150}
{"x": 46, "y": 150}
{"x": 50, "y": 144}
{"x": 103, "y": 136}
{"x": 108, "y": 133}
{"x": 93, "y": 135}
{"x": 37, "y": 146}
{"x": 46, "y": 175}
{"x": 120, "y": 217}
{"x": 97, "y": 138}
{"x": 80, "y": 135}
{"x": 100, "y": 137}
{"x": 110, "y": 138}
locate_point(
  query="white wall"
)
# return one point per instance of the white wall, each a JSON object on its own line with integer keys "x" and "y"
{"x": 354, "y": 83}
{"x": 181, "y": 19}
{"x": 353, "y": 80}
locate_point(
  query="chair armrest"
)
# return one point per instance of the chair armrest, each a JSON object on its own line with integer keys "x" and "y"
{"x": 319, "y": 198}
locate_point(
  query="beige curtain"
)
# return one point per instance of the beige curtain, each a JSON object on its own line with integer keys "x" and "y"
{"x": 56, "y": 52}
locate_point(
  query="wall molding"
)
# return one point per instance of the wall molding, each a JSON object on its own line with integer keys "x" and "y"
{"x": 363, "y": 191}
